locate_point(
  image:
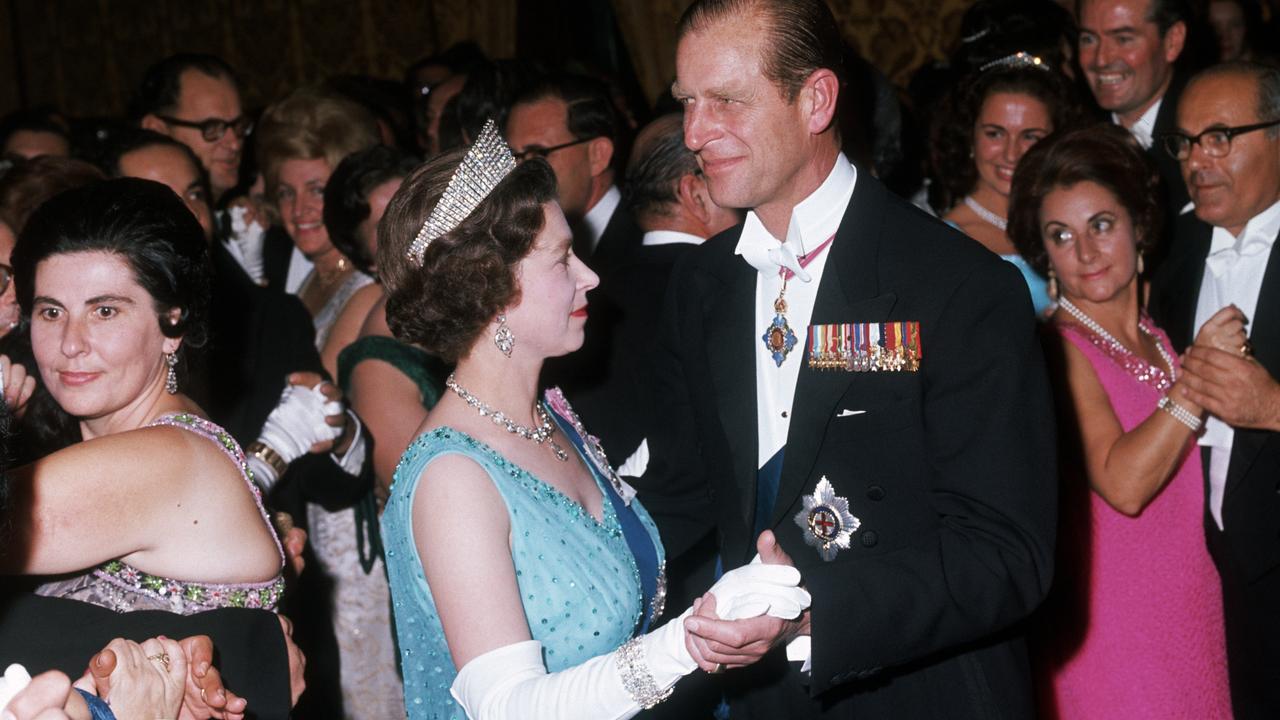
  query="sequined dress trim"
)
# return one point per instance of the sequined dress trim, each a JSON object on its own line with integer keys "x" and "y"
{"x": 1137, "y": 367}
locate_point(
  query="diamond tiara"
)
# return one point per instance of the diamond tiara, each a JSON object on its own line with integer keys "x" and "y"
{"x": 1018, "y": 59}
{"x": 487, "y": 162}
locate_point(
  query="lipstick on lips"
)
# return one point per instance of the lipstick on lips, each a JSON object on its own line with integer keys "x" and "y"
{"x": 75, "y": 379}
{"x": 580, "y": 312}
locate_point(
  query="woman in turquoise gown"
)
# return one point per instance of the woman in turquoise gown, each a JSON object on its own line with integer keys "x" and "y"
{"x": 526, "y": 578}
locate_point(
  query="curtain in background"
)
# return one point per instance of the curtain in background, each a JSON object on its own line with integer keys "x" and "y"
{"x": 897, "y": 36}
{"x": 85, "y": 56}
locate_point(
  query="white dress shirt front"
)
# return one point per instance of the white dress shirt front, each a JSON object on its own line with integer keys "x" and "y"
{"x": 1233, "y": 274}
{"x": 597, "y": 218}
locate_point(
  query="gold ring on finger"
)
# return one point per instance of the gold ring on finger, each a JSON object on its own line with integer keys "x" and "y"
{"x": 719, "y": 668}
{"x": 1246, "y": 349}
{"x": 163, "y": 658}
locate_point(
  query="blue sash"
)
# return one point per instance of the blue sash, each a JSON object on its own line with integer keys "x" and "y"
{"x": 633, "y": 530}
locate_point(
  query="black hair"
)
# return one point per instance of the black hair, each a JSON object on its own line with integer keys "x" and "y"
{"x": 346, "y": 197}
{"x": 161, "y": 86}
{"x": 141, "y": 221}
{"x": 589, "y": 109}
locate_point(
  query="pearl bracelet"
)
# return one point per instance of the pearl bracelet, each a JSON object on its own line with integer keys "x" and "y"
{"x": 636, "y": 679}
{"x": 1181, "y": 414}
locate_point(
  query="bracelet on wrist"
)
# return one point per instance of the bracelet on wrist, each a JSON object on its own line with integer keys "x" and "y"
{"x": 636, "y": 678}
{"x": 1181, "y": 414}
{"x": 266, "y": 454}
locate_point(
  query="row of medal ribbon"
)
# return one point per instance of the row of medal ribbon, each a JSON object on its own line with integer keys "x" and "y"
{"x": 865, "y": 347}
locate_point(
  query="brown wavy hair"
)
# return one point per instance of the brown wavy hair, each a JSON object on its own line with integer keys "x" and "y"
{"x": 1105, "y": 154}
{"x": 469, "y": 274}
{"x": 951, "y": 133}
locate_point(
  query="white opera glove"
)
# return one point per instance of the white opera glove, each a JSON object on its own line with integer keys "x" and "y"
{"x": 512, "y": 681}
{"x": 758, "y": 589}
{"x": 15, "y": 680}
{"x": 296, "y": 423}
{"x": 247, "y": 243}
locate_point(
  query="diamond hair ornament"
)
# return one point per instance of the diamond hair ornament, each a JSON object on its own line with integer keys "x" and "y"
{"x": 485, "y": 165}
{"x": 1018, "y": 59}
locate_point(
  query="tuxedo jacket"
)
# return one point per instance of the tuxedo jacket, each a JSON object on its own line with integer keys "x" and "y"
{"x": 1175, "y": 188}
{"x": 1247, "y": 550}
{"x": 950, "y": 469}
{"x": 45, "y": 633}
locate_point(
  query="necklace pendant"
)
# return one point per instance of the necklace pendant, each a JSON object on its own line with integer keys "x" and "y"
{"x": 778, "y": 338}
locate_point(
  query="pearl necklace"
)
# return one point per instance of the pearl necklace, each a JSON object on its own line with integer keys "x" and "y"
{"x": 986, "y": 214}
{"x": 1093, "y": 325}
{"x": 541, "y": 434}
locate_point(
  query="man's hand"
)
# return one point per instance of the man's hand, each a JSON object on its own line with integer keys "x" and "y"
{"x": 1236, "y": 389}
{"x": 206, "y": 696}
{"x": 293, "y": 540}
{"x": 47, "y": 697}
{"x": 297, "y": 661}
{"x": 716, "y": 644}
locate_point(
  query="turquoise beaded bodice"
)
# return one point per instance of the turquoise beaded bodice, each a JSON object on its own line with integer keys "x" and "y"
{"x": 577, "y": 578}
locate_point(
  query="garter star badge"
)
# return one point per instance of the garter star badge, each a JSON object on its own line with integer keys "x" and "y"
{"x": 826, "y": 521}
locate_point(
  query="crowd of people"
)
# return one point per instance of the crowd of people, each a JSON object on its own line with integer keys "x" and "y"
{"x": 795, "y": 395}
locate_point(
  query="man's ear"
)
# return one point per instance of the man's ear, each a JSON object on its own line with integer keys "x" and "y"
{"x": 819, "y": 95}
{"x": 600, "y": 153}
{"x": 691, "y": 193}
{"x": 155, "y": 124}
{"x": 1174, "y": 40}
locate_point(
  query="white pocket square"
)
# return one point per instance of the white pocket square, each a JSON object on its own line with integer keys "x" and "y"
{"x": 847, "y": 413}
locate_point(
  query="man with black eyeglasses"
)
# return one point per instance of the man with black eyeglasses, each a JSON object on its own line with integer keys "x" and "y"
{"x": 195, "y": 99}
{"x": 570, "y": 121}
{"x": 1227, "y": 143}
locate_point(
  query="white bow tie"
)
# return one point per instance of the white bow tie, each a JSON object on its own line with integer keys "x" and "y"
{"x": 1222, "y": 261}
{"x": 782, "y": 256}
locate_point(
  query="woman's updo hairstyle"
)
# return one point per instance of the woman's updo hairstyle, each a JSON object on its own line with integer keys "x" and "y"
{"x": 1105, "y": 154}
{"x": 142, "y": 222}
{"x": 468, "y": 275}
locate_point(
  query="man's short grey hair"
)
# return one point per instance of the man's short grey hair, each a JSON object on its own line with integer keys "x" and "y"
{"x": 654, "y": 172}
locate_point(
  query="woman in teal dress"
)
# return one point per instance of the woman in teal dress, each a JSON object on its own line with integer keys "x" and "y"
{"x": 526, "y": 578}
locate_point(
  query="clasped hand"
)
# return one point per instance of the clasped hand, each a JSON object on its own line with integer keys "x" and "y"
{"x": 730, "y": 628}
{"x": 1224, "y": 379}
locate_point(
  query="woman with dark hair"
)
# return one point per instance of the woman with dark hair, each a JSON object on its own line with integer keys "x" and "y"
{"x": 1135, "y": 628}
{"x": 355, "y": 198}
{"x": 155, "y": 509}
{"x": 390, "y": 384}
{"x": 985, "y": 126}
{"x": 562, "y": 566}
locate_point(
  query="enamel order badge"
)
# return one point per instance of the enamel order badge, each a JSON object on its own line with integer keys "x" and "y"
{"x": 826, "y": 521}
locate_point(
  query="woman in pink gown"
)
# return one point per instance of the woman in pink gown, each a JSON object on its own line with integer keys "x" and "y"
{"x": 1134, "y": 626}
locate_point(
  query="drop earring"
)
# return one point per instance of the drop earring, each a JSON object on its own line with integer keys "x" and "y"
{"x": 503, "y": 337}
{"x": 171, "y": 376}
{"x": 1141, "y": 268}
{"x": 1053, "y": 286}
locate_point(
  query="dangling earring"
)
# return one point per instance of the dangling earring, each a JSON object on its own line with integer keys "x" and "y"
{"x": 1053, "y": 286}
{"x": 1140, "y": 267}
{"x": 502, "y": 337}
{"x": 171, "y": 377}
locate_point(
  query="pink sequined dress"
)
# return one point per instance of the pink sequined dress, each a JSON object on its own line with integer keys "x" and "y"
{"x": 118, "y": 586}
{"x": 1135, "y": 625}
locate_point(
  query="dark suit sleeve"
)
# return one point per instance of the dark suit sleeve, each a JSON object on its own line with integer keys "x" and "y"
{"x": 988, "y": 454}
{"x": 59, "y": 634}
{"x": 674, "y": 488}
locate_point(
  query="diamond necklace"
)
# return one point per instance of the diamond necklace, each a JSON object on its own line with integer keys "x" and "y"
{"x": 541, "y": 434}
{"x": 1093, "y": 325}
{"x": 986, "y": 214}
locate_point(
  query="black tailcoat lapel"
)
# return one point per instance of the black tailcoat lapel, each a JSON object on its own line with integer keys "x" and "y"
{"x": 731, "y": 356}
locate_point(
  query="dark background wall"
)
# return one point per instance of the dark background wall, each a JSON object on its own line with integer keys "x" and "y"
{"x": 84, "y": 56}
